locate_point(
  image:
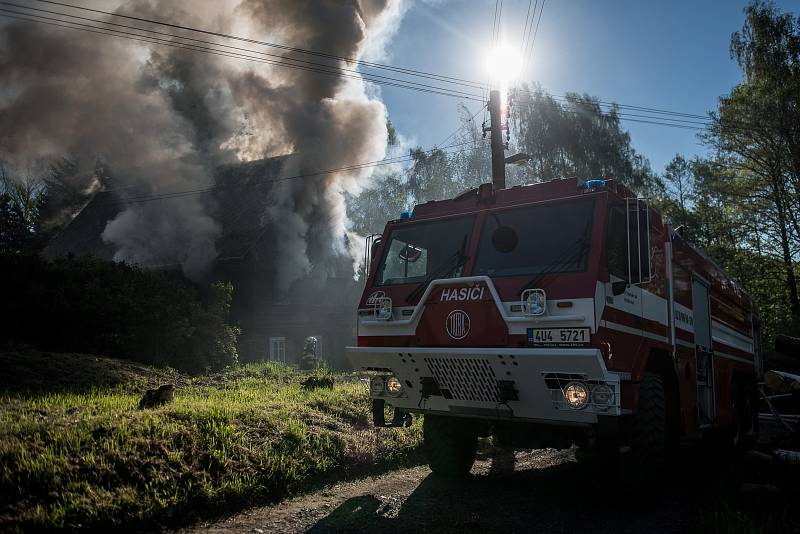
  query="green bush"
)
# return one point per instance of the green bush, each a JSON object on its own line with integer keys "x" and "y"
{"x": 99, "y": 307}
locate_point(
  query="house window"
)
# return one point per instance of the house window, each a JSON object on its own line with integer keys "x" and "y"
{"x": 277, "y": 349}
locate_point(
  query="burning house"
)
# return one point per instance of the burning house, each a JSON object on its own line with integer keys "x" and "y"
{"x": 195, "y": 150}
{"x": 276, "y": 322}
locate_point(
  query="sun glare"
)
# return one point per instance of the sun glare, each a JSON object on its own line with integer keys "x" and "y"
{"x": 503, "y": 64}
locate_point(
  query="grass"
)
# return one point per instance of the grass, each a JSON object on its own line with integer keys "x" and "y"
{"x": 86, "y": 457}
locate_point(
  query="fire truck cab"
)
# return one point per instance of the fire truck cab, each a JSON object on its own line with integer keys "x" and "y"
{"x": 553, "y": 314}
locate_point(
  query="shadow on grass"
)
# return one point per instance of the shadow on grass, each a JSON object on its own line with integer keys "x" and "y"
{"x": 33, "y": 372}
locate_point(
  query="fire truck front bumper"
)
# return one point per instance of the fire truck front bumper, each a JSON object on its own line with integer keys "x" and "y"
{"x": 549, "y": 385}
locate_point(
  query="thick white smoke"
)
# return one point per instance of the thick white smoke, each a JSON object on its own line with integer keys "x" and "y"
{"x": 162, "y": 119}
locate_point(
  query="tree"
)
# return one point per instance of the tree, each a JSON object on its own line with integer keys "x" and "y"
{"x": 470, "y": 165}
{"x": 429, "y": 176}
{"x": 678, "y": 175}
{"x": 21, "y": 200}
{"x": 576, "y": 137}
{"x": 755, "y": 130}
{"x": 381, "y": 201}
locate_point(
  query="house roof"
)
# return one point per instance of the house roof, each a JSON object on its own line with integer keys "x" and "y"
{"x": 81, "y": 237}
{"x": 243, "y": 192}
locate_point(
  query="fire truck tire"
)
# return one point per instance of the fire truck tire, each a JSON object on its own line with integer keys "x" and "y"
{"x": 649, "y": 431}
{"x": 450, "y": 445}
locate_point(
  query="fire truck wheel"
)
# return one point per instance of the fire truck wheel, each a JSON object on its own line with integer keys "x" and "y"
{"x": 450, "y": 445}
{"x": 649, "y": 432}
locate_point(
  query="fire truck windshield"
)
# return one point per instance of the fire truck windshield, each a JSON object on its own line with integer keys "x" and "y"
{"x": 549, "y": 238}
{"x": 416, "y": 251}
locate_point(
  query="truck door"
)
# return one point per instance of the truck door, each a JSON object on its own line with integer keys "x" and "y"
{"x": 703, "y": 351}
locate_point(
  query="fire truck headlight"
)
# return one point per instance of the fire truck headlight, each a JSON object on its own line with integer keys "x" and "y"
{"x": 394, "y": 386}
{"x": 377, "y": 386}
{"x": 602, "y": 395}
{"x": 534, "y": 302}
{"x": 577, "y": 395}
{"x": 383, "y": 309}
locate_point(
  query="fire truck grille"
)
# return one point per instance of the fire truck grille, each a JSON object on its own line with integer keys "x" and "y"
{"x": 467, "y": 379}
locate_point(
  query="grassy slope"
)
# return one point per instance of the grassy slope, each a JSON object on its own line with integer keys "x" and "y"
{"x": 89, "y": 458}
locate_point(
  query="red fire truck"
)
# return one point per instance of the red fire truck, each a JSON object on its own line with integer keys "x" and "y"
{"x": 554, "y": 314}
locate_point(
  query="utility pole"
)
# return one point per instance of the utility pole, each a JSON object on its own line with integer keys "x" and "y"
{"x": 498, "y": 146}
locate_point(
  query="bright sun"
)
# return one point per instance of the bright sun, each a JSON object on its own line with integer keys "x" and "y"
{"x": 503, "y": 63}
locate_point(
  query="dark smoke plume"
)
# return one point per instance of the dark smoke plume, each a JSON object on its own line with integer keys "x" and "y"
{"x": 163, "y": 119}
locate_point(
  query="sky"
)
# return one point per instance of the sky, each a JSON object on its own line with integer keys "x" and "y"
{"x": 671, "y": 55}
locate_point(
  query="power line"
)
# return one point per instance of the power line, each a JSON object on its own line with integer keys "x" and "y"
{"x": 256, "y": 41}
{"x": 374, "y": 78}
{"x": 499, "y": 23}
{"x": 485, "y": 91}
{"x": 645, "y": 119}
{"x": 620, "y": 112}
{"x": 525, "y": 27}
{"x": 494, "y": 19}
{"x": 623, "y": 106}
{"x": 381, "y": 80}
{"x": 633, "y": 117}
{"x": 321, "y": 68}
{"x": 535, "y": 33}
{"x": 466, "y": 83}
{"x": 460, "y": 127}
{"x": 623, "y": 111}
{"x": 498, "y": 15}
{"x": 360, "y": 166}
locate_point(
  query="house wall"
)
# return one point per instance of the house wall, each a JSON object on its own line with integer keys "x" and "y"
{"x": 334, "y": 325}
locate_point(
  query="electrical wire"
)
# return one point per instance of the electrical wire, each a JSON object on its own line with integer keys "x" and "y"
{"x": 531, "y": 92}
{"x": 374, "y": 78}
{"x": 381, "y": 80}
{"x": 535, "y": 33}
{"x": 525, "y": 28}
{"x": 659, "y": 115}
{"x": 498, "y": 12}
{"x": 338, "y": 71}
{"x": 360, "y": 166}
{"x": 465, "y": 83}
{"x": 485, "y": 91}
{"x": 499, "y": 23}
{"x": 460, "y": 127}
{"x": 289, "y": 62}
{"x": 317, "y": 53}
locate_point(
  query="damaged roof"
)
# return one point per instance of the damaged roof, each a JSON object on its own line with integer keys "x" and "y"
{"x": 238, "y": 202}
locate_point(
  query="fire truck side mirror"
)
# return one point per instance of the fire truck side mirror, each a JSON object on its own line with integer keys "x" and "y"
{"x": 618, "y": 288}
{"x": 374, "y": 249}
{"x": 371, "y": 244}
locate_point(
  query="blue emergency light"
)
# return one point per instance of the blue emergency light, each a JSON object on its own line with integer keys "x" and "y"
{"x": 405, "y": 215}
{"x": 593, "y": 184}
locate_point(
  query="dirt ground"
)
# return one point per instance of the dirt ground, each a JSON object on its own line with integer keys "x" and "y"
{"x": 534, "y": 491}
{"x": 542, "y": 490}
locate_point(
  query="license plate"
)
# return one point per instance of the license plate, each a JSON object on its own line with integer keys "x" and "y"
{"x": 565, "y": 337}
